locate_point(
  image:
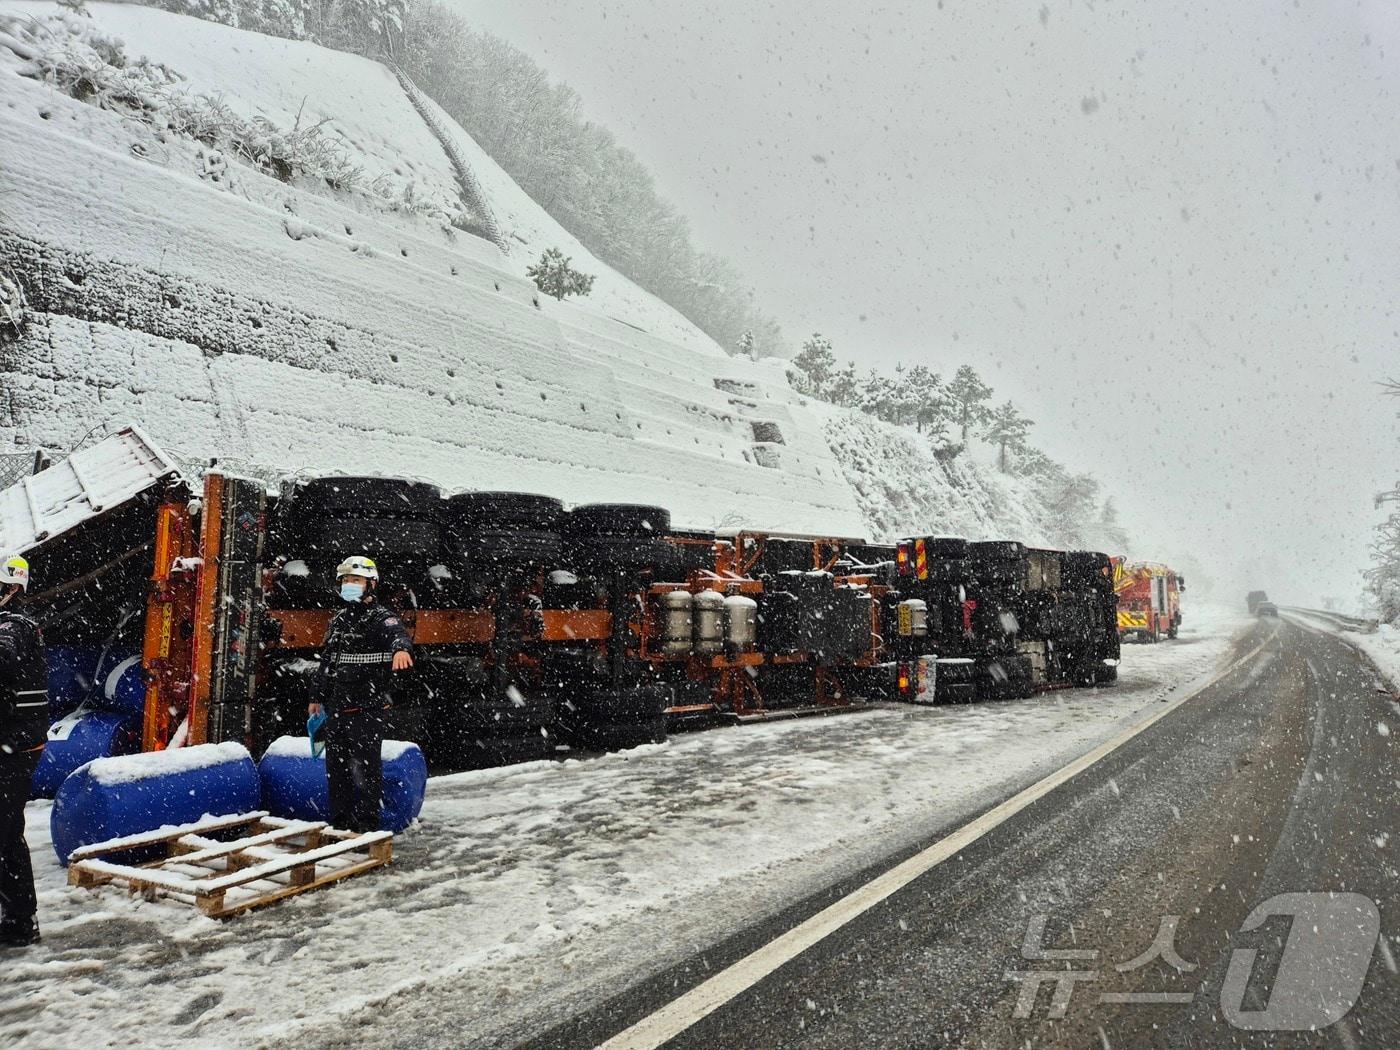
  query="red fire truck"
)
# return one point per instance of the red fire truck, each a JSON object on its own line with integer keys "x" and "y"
{"x": 1149, "y": 599}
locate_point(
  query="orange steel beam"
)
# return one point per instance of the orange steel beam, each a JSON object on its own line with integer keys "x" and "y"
{"x": 306, "y": 628}
{"x": 741, "y": 563}
{"x": 575, "y": 625}
{"x": 689, "y": 709}
{"x": 206, "y": 604}
{"x": 165, "y": 649}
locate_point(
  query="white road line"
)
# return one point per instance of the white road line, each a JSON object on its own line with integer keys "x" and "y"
{"x": 676, "y": 1016}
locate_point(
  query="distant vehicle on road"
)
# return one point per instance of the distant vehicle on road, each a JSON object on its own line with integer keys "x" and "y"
{"x": 1266, "y": 609}
{"x": 1254, "y": 598}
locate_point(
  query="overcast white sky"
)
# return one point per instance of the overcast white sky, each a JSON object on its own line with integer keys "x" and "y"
{"x": 1170, "y": 229}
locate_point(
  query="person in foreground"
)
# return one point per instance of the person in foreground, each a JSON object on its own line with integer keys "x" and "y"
{"x": 366, "y": 644}
{"x": 24, "y": 720}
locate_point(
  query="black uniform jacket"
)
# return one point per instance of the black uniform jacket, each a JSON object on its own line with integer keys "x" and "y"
{"x": 24, "y": 684}
{"x": 356, "y": 671}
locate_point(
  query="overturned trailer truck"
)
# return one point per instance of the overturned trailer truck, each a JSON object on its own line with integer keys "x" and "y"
{"x": 600, "y": 626}
{"x": 1006, "y": 620}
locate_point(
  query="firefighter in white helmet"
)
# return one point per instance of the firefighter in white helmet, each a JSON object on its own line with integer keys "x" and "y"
{"x": 364, "y": 647}
{"x": 24, "y": 721}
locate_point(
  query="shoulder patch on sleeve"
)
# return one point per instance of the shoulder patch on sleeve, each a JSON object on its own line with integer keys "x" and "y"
{"x": 392, "y": 621}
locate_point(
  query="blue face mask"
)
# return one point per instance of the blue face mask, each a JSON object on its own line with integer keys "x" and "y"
{"x": 352, "y": 592}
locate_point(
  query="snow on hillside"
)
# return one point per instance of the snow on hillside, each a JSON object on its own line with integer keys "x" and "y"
{"x": 901, "y": 488}
{"x": 528, "y": 230}
{"x": 284, "y": 326}
{"x": 291, "y": 81}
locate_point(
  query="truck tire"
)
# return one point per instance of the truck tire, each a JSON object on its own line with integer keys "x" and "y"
{"x": 487, "y": 529}
{"x": 363, "y": 497}
{"x": 619, "y": 519}
{"x": 626, "y": 737}
{"x": 389, "y": 539}
{"x": 614, "y": 721}
{"x": 466, "y": 750}
{"x": 619, "y": 536}
{"x": 1105, "y": 673}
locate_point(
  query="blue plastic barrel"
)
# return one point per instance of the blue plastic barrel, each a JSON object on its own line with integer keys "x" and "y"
{"x": 115, "y": 797}
{"x": 71, "y": 671}
{"x": 76, "y": 740}
{"x": 294, "y": 784}
{"x": 121, "y": 683}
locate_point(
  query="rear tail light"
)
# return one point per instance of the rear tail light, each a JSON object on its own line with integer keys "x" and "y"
{"x": 906, "y": 680}
{"x": 901, "y": 559}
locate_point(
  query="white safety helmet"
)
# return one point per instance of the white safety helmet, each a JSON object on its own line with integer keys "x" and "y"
{"x": 15, "y": 569}
{"x": 357, "y": 565}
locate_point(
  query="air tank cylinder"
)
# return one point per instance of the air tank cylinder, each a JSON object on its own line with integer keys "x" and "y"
{"x": 709, "y": 622}
{"x": 741, "y": 623}
{"x": 677, "y": 622}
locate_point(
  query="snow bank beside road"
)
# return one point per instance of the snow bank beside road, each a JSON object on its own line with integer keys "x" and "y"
{"x": 527, "y": 892}
{"x": 1382, "y": 647}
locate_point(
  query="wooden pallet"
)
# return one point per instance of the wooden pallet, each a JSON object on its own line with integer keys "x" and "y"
{"x": 271, "y": 858}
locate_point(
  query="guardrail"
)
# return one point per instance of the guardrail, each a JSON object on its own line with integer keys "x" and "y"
{"x": 1358, "y": 624}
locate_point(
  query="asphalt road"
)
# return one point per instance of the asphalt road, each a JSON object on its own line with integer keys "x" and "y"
{"x": 1280, "y": 778}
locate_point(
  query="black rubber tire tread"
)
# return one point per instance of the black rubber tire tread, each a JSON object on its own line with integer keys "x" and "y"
{"x": 505, "y": 547}
{"x": 618, "y": 519}
{"x": 364, "y": 497}
{"x": 624, "y": 737}
{"x": 465, "y": 749}
{"x": 387, "y": 538}
{"x": 505, "y": 511}
{"x": 623, "y": 552}
{"x": 508, "y": 751}
{"x": 503, "y": 718}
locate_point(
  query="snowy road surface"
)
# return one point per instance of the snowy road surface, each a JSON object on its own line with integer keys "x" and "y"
{"x": 529, "y": 895}
{"x": 1137, "y": 876}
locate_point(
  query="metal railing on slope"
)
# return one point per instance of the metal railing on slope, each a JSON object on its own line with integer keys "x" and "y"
{"x": 1358, "y": 624}
{"x": 472, "y": 193}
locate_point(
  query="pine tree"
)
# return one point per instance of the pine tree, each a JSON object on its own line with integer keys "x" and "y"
{"x": 969, "y": 396}
{"x": 844, "y": 387}
{"x": 554, "y": 276}
{"x": 930, "y": 402}
{"x": 745, "y": 346}
{"x": 1007, "y": 429}
{"x": 876, "y": 396}
{"x": 815, "y": 363}
{"x": 936, "y": 432}
{"x": 1112, "y": 535}
{"x": 903, "y": 403}
{"x": 378, "y": 23}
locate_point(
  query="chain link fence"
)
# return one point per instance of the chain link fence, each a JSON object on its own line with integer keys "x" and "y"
{"x": 13, "y": 466}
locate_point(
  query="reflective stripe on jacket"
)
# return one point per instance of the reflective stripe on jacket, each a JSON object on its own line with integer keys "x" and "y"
{"x": 356, "y": 658}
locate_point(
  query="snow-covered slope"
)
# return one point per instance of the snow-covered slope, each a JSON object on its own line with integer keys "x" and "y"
{"x": 900, "y": 487}
{"x": 285, "y": 326}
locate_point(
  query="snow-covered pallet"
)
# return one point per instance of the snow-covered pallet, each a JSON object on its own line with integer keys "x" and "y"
{"x": 271, "y": 858}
